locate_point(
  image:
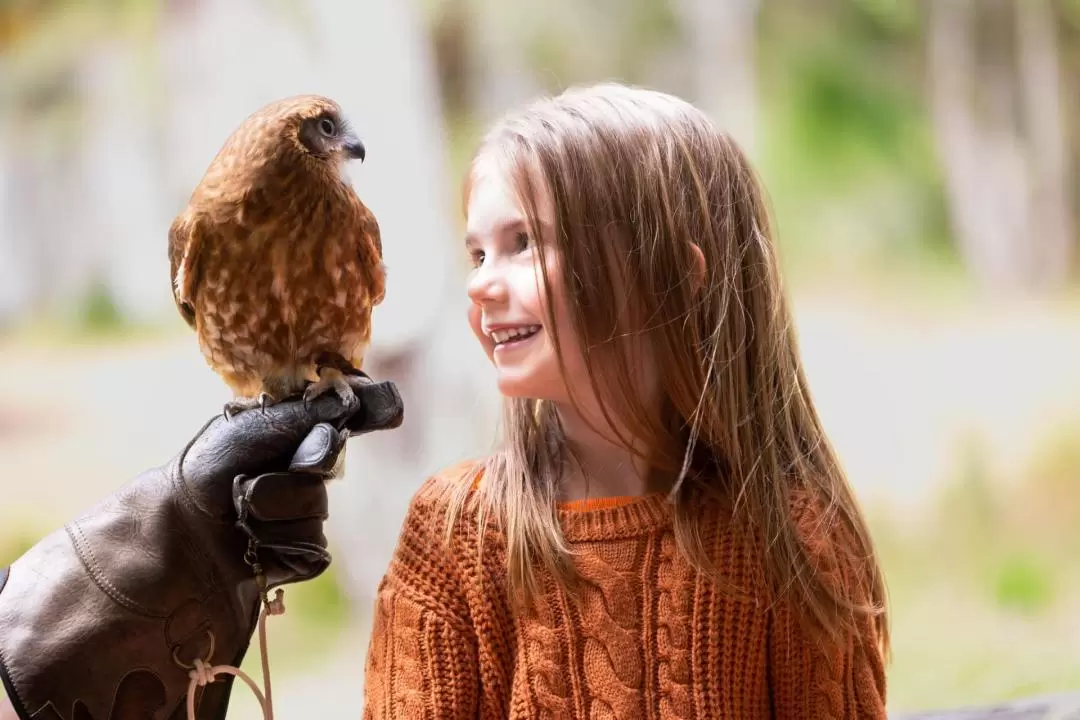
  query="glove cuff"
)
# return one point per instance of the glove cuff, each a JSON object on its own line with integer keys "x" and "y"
{"x": 104, "y": 618}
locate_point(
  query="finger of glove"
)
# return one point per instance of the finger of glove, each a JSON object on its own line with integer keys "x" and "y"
{"x": 380, "y": 408}
{"x": 283, "y": 497}
{"x": 319, "y": 452}
{"x": 301, "y": 539}
{"x": 257, "y": 440}
{"x": 292, "y": 551}
{"x": 294, "y": 563}
{"x": 298, "y": 538}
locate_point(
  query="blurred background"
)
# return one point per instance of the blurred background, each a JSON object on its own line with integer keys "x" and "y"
{"x": 921, "y": 158}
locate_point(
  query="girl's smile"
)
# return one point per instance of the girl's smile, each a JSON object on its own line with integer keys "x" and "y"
{"x": 510, "y": 337}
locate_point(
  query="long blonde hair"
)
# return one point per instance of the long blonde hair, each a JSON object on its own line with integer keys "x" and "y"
{"x": 636, "y": 177}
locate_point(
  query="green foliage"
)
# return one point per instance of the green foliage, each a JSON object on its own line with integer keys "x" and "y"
{"x": 100, "y": 313}
{"x": 95, "y": 318}
{"x": 1070, "y": 12}
{"x": 982, "y": 589}
{"x": 848, "y": 153}
{"x": 586, "y": 41}
{"x": 316, "y": 613}
{"x": 320, "y": 603}
{"x": 891, "y": 16}
{"x": 1024, "y": 582}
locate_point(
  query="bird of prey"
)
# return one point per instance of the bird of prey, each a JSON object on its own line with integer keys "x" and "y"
{"x": 276, "y": 263}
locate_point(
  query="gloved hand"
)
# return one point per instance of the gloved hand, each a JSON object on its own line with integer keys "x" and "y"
{"x": 103, "y": 619}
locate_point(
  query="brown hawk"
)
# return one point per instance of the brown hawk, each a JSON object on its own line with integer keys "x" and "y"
{"x": 275, "y": 262}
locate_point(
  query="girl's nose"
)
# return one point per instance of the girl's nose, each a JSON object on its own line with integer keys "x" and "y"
{"x": 486, "y": 285}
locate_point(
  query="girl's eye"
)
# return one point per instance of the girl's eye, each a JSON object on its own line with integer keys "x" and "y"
{"x": 521, "y": 242}
{"x": 477, "y": 257}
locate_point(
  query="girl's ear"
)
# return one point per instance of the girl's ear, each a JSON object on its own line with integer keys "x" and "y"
{"x": 698, "y": 278}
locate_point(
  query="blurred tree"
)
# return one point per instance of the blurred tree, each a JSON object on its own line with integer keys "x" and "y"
{"x": 995, "y": 88}
{"x": 925, "y": 133}
{"x": 84, "y": 109}
{"x": 844, "y": 146}
{"x": 721, "y": 41}
{"x": 50, "y": 237}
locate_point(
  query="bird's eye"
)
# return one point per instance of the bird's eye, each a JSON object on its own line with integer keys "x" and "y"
{"x": 327, "y": 127}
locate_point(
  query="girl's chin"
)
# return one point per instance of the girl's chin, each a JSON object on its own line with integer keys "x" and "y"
{"x": 515, "y": 384}
{"x": 512, "y": 388}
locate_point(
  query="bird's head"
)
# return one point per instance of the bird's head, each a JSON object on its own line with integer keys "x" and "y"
{"x": 322, "y": 132}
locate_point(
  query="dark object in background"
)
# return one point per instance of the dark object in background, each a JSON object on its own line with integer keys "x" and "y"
{"x": 1065, "y": 706}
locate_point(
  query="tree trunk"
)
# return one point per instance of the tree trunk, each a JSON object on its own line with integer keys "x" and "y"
{"x": 501, "y": 77}
{"x": 1051, "y": 235}
{"x": 972, "y": 160}
{"x": 722, "y": 46}
{"x": 1005, "y": 173}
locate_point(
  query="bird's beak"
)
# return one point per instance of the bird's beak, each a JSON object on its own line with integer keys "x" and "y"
{"x": 354, "y": 149}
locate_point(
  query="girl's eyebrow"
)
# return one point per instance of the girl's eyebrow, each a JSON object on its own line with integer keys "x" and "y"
{"x": 506, "y": 225}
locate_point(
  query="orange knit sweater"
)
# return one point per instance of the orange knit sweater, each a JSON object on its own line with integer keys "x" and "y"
{"x": 648, "y": 637}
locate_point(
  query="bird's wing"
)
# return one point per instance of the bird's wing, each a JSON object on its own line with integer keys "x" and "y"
{"x": 185, "y": 241}
{"x": 372, "y": 257}
{"x": 371, "y": 230}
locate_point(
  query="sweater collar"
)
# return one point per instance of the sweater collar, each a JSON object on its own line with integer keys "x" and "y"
{"x": 613, "y": 518}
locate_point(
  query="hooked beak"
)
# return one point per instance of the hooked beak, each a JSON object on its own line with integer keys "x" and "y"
{"x": 354, "y": 149}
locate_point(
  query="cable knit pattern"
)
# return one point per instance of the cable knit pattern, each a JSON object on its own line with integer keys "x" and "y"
{"x": 646, "y": 637}
{"x": 611, "y": 654}
{"x": 674, "y": 610}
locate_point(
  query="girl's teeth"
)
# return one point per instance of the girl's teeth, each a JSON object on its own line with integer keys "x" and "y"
{"x": 501, "y": 336}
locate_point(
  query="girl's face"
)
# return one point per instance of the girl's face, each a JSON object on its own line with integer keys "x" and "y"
{"x": 507, "y": 312}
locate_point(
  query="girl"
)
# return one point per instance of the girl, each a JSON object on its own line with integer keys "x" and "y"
{"x": 664, "y": 530}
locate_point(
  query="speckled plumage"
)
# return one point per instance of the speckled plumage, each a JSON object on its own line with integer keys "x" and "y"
{"x": 276, "y": 261}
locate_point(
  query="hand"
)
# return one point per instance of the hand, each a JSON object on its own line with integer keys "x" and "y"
{"x": 264, "y": 472}
{"x": 103, "y": 618}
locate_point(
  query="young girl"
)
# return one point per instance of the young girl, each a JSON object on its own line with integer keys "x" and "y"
{"x": 664, "y": 530}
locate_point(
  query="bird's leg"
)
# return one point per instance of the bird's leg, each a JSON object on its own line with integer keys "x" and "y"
{"x": 239, "y": 404}
{"x": 333, "y": 379}
{"x": 355, "y": 377}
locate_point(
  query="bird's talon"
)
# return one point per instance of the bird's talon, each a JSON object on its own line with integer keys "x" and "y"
{"x": 331, "y": 379}
{"x": 240, "y": 404}
{"x": 345, "y": 392}
{"x": 357, "y": 383}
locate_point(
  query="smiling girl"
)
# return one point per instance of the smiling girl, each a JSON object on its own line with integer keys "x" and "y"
{"x": 664, "y": 530}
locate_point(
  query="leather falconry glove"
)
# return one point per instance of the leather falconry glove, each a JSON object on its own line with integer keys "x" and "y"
{"x": 103, "y": 619}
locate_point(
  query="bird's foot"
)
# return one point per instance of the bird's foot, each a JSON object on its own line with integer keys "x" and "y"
{"x": 333, "y": 380}
{"x": 238, "y": 405}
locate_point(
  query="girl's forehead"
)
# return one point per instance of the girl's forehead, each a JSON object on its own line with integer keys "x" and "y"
{"x": 493, "y": 199}
{"x": 492, "y": 203}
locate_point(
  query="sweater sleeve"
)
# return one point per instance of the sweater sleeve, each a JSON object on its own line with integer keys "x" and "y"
{"x": 813, "y": 677}
{"x": 422, "y": 655}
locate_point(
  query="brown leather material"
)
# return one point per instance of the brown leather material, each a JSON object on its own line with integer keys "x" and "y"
{"x": 101, "y": 619}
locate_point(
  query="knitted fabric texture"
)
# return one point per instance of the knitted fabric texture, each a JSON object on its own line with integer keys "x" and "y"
{"x": 647, "y": 636}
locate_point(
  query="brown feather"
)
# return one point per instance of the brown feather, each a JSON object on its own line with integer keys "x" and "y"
{"x": 277, "y": 258}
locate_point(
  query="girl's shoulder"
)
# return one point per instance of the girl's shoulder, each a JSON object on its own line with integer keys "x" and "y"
{"x": 450, "y": 486}
{"x": 439, "y": 487}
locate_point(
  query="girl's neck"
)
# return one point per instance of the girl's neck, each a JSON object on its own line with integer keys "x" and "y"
{"x": 600, "y": 467}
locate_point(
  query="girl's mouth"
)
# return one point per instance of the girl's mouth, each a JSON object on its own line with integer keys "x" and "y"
{"x": 514, "y": 337}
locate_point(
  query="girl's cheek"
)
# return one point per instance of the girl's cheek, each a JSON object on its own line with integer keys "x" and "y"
{"x": 475, "y": 317}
